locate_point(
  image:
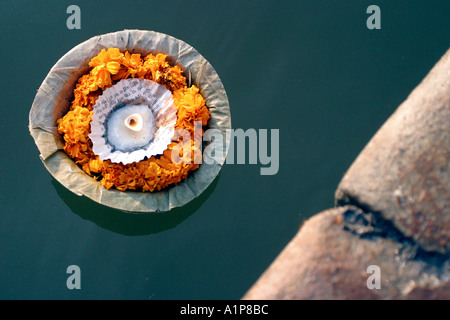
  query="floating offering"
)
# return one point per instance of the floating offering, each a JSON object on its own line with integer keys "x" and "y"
{"x": 105, "y": 118}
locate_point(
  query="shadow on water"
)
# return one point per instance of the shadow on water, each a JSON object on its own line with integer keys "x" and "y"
{"x": 128, "y": 223}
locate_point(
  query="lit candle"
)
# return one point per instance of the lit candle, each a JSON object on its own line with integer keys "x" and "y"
{"x": 134, "y": 122}
{"x": 131, "y": 127}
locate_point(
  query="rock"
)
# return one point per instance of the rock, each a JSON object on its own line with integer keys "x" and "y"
{"x": 330, "y": 256}
{"x": 403, "y": 173}
{"x": 393, "y": 214}
{"x": 316, "y": 265}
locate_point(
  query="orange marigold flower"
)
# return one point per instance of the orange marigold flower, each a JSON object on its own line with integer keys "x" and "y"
{"x": 155, "y": 173}
{"x": 113, "y": 67}
{"x": 105, "y": 56}
{"x": 131, "y": 65}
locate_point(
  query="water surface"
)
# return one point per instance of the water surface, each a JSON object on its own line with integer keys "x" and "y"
{"x": 311, "y": 69}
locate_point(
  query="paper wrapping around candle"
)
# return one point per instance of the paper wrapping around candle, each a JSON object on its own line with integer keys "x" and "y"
{"x": 55, "y": 94}
{"x": 112, "y": 138}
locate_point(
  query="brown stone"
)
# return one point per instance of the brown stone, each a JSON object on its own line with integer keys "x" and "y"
{"x": 404, "y": 172}
{"x": 316, "y": 264}
{"x": 394, "y": 214}
{"x": 330, "y": 256}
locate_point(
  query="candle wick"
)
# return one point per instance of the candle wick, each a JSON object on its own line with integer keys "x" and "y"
{"x": 134, "y": 122}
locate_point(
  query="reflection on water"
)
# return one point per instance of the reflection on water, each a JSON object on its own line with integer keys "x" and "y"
{"x": 129, "y": 223}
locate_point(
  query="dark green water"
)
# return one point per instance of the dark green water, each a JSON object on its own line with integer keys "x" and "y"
{"x": 309, "y": 68}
